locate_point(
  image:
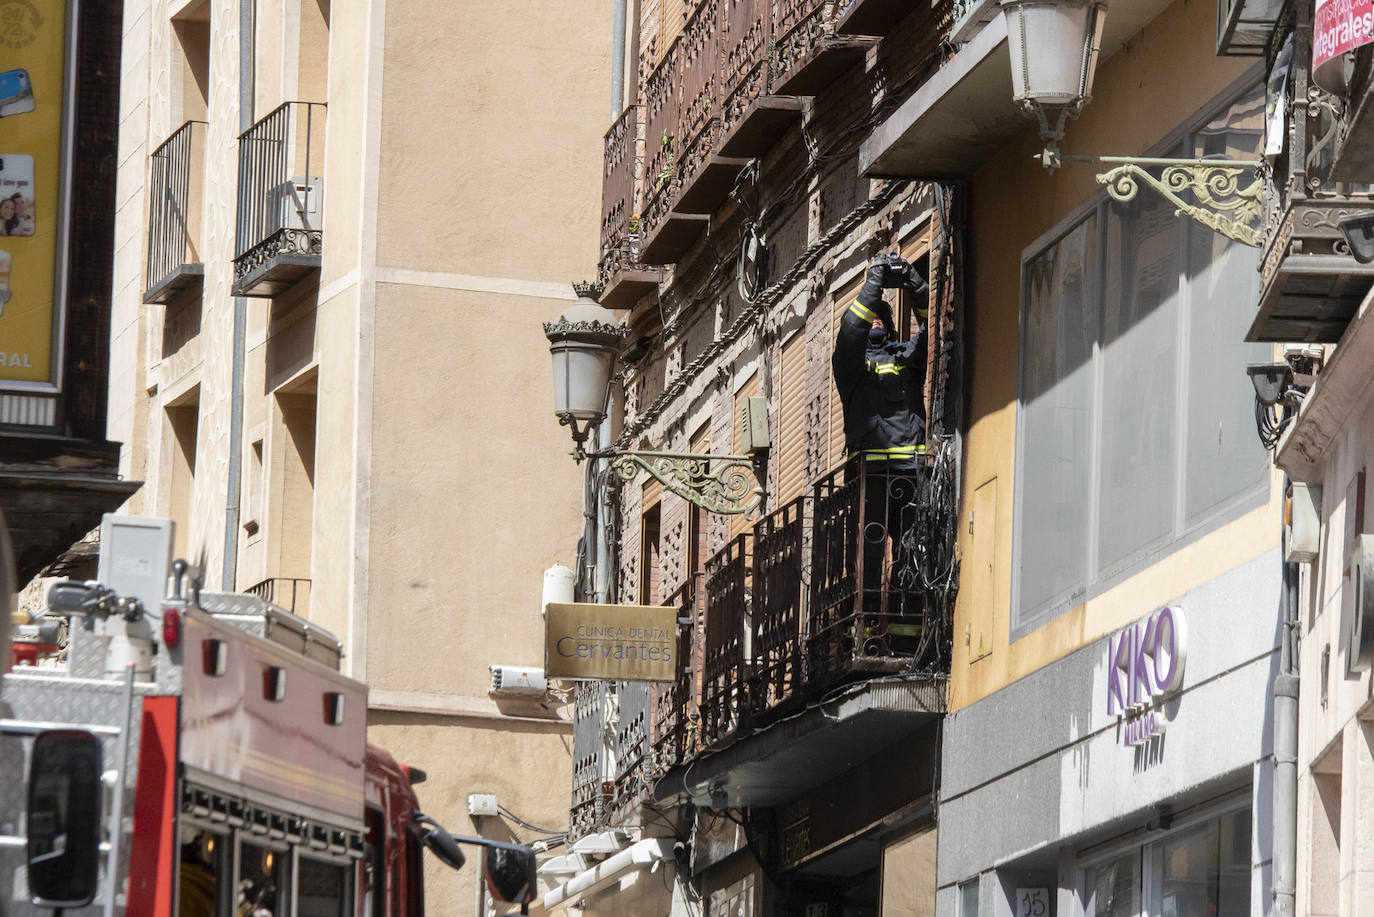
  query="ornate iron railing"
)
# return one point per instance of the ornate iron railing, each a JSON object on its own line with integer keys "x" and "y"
{"x": 619, "y": 200}
{"x": 799, "y": 26}
{"x": 283, "y": 591}
{"x": 728, "y": 578}
{"x": 661, "y": 141}
{"x": 780, "y": 575}
{"x": 280, "y": 188}
{"x": 173, "y": 211}
{"x": 676, "y": 720}
{"x": 698, "y": 119}
{"x": 632, "y": 750}
{"x": 747, "y": 32}
{"x": 592, "y": 709}
{"x": 883, "y": 571}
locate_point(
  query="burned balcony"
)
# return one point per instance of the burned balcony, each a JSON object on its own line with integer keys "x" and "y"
{"x": 280, "y": 235}
{"x": 624, "y": 278}
{"x": 1310, "y": 284}
{"x": 882, "y": 572}
{"x": 175, "y": 176}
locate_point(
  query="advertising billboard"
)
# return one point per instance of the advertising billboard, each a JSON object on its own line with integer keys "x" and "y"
{"x": 32, "y": 91}
{"x": 1338, "y": 26}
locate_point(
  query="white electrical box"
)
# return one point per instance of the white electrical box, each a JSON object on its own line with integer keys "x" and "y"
{"x": 517, "y": 681}
{"x": 1304, "y": 523}
{"x": 753, "y": 424}
{"x": 482, "y": 804}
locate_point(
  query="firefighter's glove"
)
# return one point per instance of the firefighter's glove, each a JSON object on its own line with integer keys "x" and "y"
{"x": 874, "y": 282}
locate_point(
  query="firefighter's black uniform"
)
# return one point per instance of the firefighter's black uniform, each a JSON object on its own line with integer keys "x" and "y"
{"x": 881, "y": 386}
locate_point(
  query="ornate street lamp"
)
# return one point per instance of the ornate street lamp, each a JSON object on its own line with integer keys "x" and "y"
{"x": 1054, "y": 46}
{"x": 585, "y": 342}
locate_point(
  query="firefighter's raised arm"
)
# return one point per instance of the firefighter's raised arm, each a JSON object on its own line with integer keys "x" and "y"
{"x": 852, "y": 339}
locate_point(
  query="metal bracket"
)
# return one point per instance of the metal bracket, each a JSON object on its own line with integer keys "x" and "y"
{"x": 1222, "y": 204}
{"x": 727, "y": 484}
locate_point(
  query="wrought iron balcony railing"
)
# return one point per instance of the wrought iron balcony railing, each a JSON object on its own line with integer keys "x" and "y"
{"x": 592, "y": 792}
{"x": 291, "y": 593}
{"x": 781, "y": 571}
{"x": 280, "y": 225}
{"x": 633, "y": 754}
{"x": 883, "y": 572}
{"x": 728, "y": 581}
{"x": 176, "y": 170}
{"x": 623, "y": 277}
{"x": 676, "y": 720}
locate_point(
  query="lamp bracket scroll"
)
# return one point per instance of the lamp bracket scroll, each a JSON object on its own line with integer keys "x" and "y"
{"x": 728, "y": 484}
{"x": 1221, "y": 202}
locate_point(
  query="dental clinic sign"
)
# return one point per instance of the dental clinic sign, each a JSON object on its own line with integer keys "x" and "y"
{"x": 1144, "y": 668}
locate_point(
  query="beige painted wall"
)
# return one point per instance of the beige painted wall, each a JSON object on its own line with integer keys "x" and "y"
{"x": 1162, "y": 77}
{"x": 462, "y": 162}
{"x": 909, "y": 876}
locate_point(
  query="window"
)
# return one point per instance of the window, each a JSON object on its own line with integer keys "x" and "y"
{"x": 1199, "y": 871}
{"x": 1135, "y": 421}
{"x": 323, "y": 889}
{"x": 968, "y": 898}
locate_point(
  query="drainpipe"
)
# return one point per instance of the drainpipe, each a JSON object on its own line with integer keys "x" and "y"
{"x": 1286, "y": 748}
{"x": 233, "y": 488}
{"x": 618, "y": 62}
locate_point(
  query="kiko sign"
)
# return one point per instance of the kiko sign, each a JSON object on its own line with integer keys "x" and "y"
{"x": 1145, "y": 665}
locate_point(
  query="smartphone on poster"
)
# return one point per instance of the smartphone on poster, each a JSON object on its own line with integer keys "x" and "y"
{"x": 16, "y": 93}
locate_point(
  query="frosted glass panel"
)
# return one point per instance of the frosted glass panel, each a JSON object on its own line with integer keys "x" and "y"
{"x": 1060, "y": 330}
{"x": 1223, "y": 456}
{"x": 1139, "y": 379}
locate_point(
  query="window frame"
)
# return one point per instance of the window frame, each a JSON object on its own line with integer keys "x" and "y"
{"x": 1148, "y": 845}
{"x": 1100, "y": 578}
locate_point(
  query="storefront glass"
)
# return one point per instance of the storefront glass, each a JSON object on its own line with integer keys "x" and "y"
{"x": 1200, "y": 871}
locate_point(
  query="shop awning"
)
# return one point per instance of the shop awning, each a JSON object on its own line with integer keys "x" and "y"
{"x": 610, "y": 871}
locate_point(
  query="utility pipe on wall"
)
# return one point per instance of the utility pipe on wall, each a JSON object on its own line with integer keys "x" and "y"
{"x": 1285, "y": 838}
{"x": 234, "y": 485}
{"x": 618, "y": 62}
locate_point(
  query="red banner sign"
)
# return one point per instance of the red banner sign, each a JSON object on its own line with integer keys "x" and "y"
{"x": 1338, "y": 26}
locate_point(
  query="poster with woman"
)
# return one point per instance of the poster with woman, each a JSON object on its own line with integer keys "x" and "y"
{"x": 16, "y": 195}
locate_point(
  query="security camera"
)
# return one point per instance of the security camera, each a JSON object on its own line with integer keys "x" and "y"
{"x": 1358, "y": 229}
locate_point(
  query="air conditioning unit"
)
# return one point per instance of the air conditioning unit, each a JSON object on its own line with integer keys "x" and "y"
{"x": 299, "y": 203}
{"x": 517, "y": 681}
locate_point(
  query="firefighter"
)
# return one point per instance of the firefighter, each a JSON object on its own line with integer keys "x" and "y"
{"x": 881, "y": 383}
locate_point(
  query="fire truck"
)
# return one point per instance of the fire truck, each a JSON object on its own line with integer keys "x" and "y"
{"x": 201, "y": 754}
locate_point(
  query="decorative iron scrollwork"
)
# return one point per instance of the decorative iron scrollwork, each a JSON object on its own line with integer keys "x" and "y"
{"x": 1223, "y": 204}
{"x": 716, "y": 483}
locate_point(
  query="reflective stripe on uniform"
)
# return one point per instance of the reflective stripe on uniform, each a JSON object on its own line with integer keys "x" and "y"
{"x": 892, "y": 452}
{"x": 862, "y": 311}
{"x": 882, "y": 369}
